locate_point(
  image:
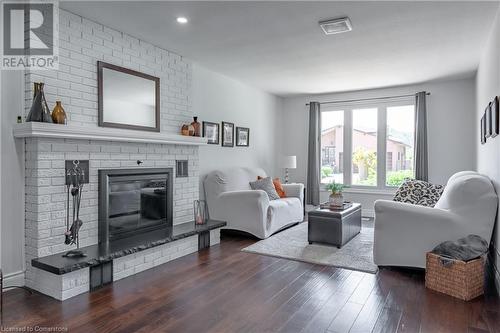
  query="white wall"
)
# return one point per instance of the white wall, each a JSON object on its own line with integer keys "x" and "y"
{"x": 219, "y": 98}
{"x": 487, "y": 86}
{"x": 12, "y": 180}
{"x": 451, "y": 138}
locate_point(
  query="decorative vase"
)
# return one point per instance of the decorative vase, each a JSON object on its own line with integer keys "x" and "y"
{"x": 196, "y": 126}
{"x": 185, "y": 130}
{"x": 191, "y": 130}
{"x": 58, "y": 114}
{"x": 39, "y": 109}
{"x": 336, "y": 200}
{"x": 200, "y": 211}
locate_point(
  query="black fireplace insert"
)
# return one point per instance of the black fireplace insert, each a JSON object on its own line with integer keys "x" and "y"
{"x": 134, "y": 201}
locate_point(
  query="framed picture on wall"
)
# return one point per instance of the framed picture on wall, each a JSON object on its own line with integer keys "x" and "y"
{"x": 495, "y": 125}
{"x": 242, "y": 136}
{"x": 211, "y": 132}
{"x": 487, "y": 121}
{"x": 227, "y": 134}
{"x": 483, "y": 129}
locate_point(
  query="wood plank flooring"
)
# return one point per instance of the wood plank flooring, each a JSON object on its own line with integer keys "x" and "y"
{"x": 222, "y": 289}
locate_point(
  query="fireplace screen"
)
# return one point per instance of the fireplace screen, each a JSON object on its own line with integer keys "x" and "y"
{"x": 133, "y": 202}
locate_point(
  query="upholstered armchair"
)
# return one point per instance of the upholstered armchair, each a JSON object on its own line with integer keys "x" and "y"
{"x": 405, "y": 232}
{"x": 230, "y": 198}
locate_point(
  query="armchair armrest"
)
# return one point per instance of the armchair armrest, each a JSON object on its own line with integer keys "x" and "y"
{"x": 244, "y": 210}
{"x": 294, "y": 190}
{"x": 405, "y": 232}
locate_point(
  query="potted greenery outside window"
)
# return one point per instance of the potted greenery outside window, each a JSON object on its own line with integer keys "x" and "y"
{"x": 336, "y": 197}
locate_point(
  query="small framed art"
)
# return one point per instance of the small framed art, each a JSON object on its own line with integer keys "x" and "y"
{"x": 495, "y": 124}
{"x": 242, "y": 136}
{"x": 227, "y": 134}
{"x": 487, "y": 121}
{"x": 483, "y": 129}
{"x": 211, "y": 132}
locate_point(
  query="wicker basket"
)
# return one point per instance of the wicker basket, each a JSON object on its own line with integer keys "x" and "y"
{"x": 464, "y": 280}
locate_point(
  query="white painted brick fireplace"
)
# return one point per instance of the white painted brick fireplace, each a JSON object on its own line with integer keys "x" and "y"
{"x": 83, "y": 43}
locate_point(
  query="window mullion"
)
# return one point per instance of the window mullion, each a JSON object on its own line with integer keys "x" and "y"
{"x": 348, "y": 147}
{"x": 381, "y": 146}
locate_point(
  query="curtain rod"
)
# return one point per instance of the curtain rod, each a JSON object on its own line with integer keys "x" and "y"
{"x": 369, "y": 99}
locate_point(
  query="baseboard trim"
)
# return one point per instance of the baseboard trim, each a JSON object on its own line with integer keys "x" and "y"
{"x": 367, "y": 212}
{"x": 13, "y": 279}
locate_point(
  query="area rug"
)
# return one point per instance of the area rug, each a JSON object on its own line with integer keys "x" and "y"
{"x": 292, "y": 243}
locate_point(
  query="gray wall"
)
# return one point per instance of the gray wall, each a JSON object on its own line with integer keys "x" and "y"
{"x": 488, "y": 86}
{"x": 219, "y": 98}
{"x": 12, "y": 180}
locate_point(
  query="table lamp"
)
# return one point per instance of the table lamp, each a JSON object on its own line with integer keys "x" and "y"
{"x": 289, "y": 162}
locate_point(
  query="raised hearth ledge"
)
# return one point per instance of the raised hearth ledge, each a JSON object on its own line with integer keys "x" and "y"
{"x": 46, "y": 130}
{"x": 59, "y": 265}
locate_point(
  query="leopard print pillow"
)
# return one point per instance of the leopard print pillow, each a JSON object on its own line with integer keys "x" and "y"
{"x": 418, "y": 192}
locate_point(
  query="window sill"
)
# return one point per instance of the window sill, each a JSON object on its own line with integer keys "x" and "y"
{"x": 369, "y": 191}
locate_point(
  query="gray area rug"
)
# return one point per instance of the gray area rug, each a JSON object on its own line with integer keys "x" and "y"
{"x": 292, "y": 244}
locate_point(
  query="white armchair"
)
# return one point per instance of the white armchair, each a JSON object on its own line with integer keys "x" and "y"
{"x": 405, "y": 232}
{"x": 230, "y": 198}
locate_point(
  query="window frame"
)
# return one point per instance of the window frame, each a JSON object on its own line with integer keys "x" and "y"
{"x": 347, "y": 109}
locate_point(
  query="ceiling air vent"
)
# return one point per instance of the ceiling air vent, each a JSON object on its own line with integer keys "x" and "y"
{"x": 336, "y": 26}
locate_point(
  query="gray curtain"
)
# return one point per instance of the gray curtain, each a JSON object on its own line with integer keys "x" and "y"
{"x": 314, "y": 154}
{"x": 421, "y": 154}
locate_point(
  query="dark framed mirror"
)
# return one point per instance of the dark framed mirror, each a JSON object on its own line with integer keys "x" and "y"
{"x": 127, "y": 99}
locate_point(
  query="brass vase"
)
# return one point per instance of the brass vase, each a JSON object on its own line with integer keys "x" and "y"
{"x": 58, "y": 114}
{"x": 39, "y": 109}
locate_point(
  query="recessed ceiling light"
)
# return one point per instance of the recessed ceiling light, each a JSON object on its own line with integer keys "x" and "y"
{"x": 182, "y": 20}
{"x": 336, "y": 26}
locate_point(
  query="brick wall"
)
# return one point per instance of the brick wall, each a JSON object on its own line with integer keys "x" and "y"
{"x": 46, "y": 192}
{"x": 82, "y": 43}
{"x": 140, "y": 261}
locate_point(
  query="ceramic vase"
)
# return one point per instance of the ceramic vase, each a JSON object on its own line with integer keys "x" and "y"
{"x": 196, "y": 126}
{"x": 58, "y": 114}
{"x": 39, "y": 109}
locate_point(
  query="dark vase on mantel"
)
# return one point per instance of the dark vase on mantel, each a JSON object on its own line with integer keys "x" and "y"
{"x": 197, "y": 127}
{"x": 39, "y": 109}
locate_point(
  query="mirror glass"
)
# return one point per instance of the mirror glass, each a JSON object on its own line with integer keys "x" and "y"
{"x": 128, "y": 99}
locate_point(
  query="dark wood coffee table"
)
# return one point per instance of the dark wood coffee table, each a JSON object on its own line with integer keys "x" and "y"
{"x": 334, "y": 227}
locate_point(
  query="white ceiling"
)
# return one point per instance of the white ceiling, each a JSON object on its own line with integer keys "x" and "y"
{"x": 279, "y": 47}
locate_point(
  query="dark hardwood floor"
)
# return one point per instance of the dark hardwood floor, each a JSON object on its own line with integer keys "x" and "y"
{"x": 224, "y": 290}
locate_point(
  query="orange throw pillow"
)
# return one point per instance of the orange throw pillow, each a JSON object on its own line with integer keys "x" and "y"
{"x": 277, "y": 186}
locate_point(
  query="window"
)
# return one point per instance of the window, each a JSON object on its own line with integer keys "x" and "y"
{"x": 388, "y": 161}
{"x": 332, "y": 146}
{"x": 364, "y": 147}
{"x": 400, "y": 137}
{"x": 368, "y": 145}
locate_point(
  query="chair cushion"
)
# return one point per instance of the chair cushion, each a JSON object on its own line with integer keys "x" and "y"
{"x": 265, "y": 184}
{"x": 419, "y": 192}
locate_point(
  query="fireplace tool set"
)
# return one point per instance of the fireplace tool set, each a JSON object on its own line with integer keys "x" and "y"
{"x": 75, "y": 177}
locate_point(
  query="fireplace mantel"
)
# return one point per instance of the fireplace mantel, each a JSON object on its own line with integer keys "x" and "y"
{"x": 46, "y": 130}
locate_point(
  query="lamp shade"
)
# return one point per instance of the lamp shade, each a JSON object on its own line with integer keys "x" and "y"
{"x": 289, "y": 162}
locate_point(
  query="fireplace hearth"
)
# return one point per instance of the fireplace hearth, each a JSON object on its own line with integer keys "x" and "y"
{"x": 134, "y": 201}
